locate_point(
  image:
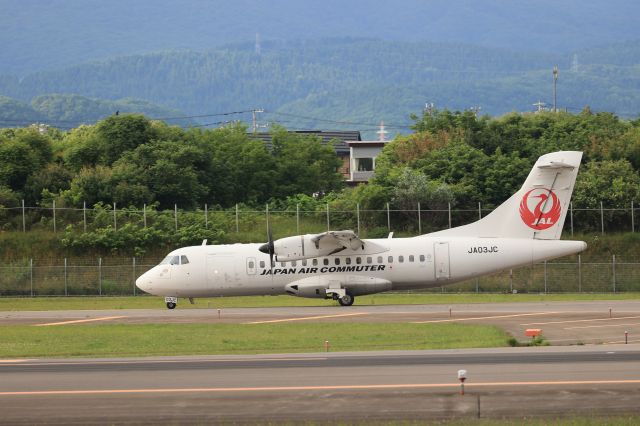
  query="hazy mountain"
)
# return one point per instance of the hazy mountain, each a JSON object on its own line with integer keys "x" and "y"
{"x": 39, "y": 35}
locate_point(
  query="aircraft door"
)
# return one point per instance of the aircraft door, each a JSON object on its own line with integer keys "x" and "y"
{"x": 221, "y": 271}
{"x": 441, "y": 261}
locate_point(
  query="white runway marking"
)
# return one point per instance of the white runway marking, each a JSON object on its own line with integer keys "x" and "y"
{"x": 584, "y": 320}
{"x": 482, "y": 318}
{"x": 601, "y": 326}
{"x": 307, "y": 318}
{"x": 78, "y": 321}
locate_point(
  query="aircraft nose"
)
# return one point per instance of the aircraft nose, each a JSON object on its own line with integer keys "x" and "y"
{"x": 144, "y": 283}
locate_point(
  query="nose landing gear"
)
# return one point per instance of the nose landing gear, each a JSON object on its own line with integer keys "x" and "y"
{"x": 171, "y": 302}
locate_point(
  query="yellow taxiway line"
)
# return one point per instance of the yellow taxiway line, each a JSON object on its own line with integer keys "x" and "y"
{"x": 78, "y": 321}
{"x": 307, "y": 318}
{"x": 321, "y": 388}
{"x": 483, "y": 318}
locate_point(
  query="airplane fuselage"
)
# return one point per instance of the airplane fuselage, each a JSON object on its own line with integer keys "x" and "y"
{"x": 399, "y": 264}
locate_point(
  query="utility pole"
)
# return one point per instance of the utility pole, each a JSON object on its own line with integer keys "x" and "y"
{"x": 539, "y": 106}
{"x": 254, "y": 119}
{"x": 555, "y": 84}
{"x": 428, "y": 108}
{"x": 475, "y": 110}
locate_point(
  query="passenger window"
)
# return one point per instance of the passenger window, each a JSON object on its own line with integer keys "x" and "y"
{"x": 358, "y": 260}
{"x": 251, "y": 264}
{"x": 379, "y": 259}
{"x": 262, "y": 263}
{"x": 325, "y": 261}
{"x": 283, "y": 264}
{"x": 183, "y": 260}
{"x": 411, "y": 258}
{"x": 422, "y": 258}
{"x": 315, "y": 262}
{"x": 294, "y": 263}
{"x": 273, "y": 263}
{"x": 390, "y": 259}
{"x": 369, "y": 259}
{"x": 304, "y": 262}
{"x": 337, "y": 261}
{"x": 348, "y": 261}
{"x": 400, "y": 259}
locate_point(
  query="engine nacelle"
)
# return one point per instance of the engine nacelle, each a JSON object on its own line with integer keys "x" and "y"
{"x": 300, "y": 247}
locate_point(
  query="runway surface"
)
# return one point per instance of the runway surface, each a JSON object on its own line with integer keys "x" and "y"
{"x": 600, "y": 377}
{"x": 562, "y": 323}
{"x": 513, "y": 382}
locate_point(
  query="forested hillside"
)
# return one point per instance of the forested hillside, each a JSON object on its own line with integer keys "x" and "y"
{"x": 333, "y": 81}
{"x": 37, "y": 35}
{"x": 69, "y": 111}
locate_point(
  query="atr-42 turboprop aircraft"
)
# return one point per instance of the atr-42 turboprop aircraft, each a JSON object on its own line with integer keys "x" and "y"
{"x": 339, "y": 265}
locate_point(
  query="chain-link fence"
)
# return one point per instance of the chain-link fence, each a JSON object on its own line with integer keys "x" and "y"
{"x": 366, "y": 222}
{"x": 107, "y": 277}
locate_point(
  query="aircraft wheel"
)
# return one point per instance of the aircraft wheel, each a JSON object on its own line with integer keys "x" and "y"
{"x": 171, "y": 305}
{"x": 346, "y": 300}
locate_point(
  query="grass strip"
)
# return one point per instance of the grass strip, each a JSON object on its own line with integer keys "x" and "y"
{"x": 151, "y": 302}
{"x": 106, "y": 340}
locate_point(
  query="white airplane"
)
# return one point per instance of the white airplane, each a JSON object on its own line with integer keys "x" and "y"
{"x": 339, "y": 265}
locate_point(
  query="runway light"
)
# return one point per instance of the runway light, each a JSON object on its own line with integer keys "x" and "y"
{"x": 462, "y": 376}
{"x": 218, "y": 313}
{"x": 326, "y": 346}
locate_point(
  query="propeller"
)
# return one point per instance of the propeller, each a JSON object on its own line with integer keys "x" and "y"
{"x": 268, "y": 248}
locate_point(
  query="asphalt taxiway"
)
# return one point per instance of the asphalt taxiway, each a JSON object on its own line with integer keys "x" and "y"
{"x": 377, "y": 386}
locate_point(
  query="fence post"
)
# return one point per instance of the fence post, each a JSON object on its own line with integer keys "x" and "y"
{"x": 449, "y": 208}
{"x": 613, "y": 270}
{"x": 358, "y": 216}
{"x": 419, "y": 219}
{"x": 571, "y": 216}
{"x": 100, "y": 276}
{"x": 579, "y": 274}
{"x": 175, "y": 215}
{"x": 115, "y": 220}
{"x": 388, "y": 218}
{"x": 545, "y": 277}
{"x": 633, "y": 228}
{"x": 206, "y": 215}
{"x": 298, "y": 218}
{"x": 84, "y": 215}
{"x": 328, "y": 221}
{"x": 65, "y": 277}
{"x": 24, "y": 222}
{"x": 479, "y": 210}
{"x": 266, "y": 215}
{"x": 511, "y": 281}
{"x": 134, "y": 276}
{"x": 31, "y": 275}
{"x": 144, "y": 214}
{"x": 601, "y": 218}
{"x": 237, "y": 219}
{"x": 54, "y": 216}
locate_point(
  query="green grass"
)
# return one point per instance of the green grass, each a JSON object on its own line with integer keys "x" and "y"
{"x": 151, "y": 302}
{"x": 198, "y": 339}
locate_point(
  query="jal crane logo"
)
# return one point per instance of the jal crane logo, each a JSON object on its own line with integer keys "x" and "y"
{"x": 546, "y": 208}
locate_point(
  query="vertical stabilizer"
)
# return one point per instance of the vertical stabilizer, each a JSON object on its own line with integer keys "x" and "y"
{"x": 538, "y": 209}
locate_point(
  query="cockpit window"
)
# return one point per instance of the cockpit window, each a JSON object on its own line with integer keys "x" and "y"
{"x": 183, "y": 260}
{"x": 171, "y": 260}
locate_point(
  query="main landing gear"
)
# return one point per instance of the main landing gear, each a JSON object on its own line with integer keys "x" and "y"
{"x": 343, "y": 297}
